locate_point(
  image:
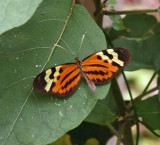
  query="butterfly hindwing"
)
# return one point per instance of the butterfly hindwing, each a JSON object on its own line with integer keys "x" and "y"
{"x": 61, "y": 80}
{"x": 97, "y": 68}
{"x": 100, "y": 67}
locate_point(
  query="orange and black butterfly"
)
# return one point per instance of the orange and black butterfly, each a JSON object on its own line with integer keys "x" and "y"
{"x": 98, "y": 68}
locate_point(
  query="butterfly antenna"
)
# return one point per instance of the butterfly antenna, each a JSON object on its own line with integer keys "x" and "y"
{"x": 82, "y": 41}
{"x": 62, "y": 48}
{"x": 68, "y": 48}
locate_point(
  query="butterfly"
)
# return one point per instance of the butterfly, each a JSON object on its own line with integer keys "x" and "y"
{"x": 98, "y": 68}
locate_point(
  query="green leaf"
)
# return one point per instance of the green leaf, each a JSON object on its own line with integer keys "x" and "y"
{"x": 111, "y": 3}
{"x": 104, "y": 112}
{"x": 27, "y": 117}
{"x": 16, "y": 12}
{"x": 137, "y": 26}
{"x": 158, "y": 9}
{"x": 117, "y": 22}
{"x": 150, "y": 113}
{"x": 140, "y": 25}
{"x": 156, "y": 29}
{"x": 145, "y": 53}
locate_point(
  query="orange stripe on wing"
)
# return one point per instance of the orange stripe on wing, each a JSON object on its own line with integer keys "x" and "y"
{"x": 99, "y": 75}
{"x": 66, "y": 86}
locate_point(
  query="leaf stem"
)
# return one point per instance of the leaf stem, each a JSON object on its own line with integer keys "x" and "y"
{"x": 146, "y": 93}
{"x": 146, "y": 88}
{"x": 106, "y": 12}
{"x": 113, "y": 130}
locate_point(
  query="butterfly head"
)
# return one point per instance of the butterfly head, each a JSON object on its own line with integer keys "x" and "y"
{"x": 76, "y": 59}
{"x": 78, "y": 62}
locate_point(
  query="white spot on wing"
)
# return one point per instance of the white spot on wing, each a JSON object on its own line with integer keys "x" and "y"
{"x": 48, "y": 86}
{"x": 48, "y": 80}
{"x": 115, "y": 57}
{"x": 104, "y": 57}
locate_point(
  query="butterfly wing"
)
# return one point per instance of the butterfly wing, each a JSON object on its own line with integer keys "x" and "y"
{"x": 100, "y": 67}
{"x": 61, "y": 80}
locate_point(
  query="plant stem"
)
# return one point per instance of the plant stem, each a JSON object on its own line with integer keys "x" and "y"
{"x": 98, "y": 14}
{"x": 106, "y": 12}
{"x": 118, "y": 97}
{"x": 134, "y": 108}
{"x": 121, "y": 130}
{"x": 146, "y": 88}
{"x": 122, "y": 111}
{"x": 128, "y": 139}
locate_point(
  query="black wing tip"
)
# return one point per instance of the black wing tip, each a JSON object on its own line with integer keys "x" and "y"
{"x": 39, "y": 83}
{"x": 123, "y": 54}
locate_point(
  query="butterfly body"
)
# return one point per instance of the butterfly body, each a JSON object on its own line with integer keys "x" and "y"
{"x": 97, "y": 68}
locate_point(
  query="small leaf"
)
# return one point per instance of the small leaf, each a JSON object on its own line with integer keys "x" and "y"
{"x": 16, "y": 12}
{"x": 150, "y": 113}
{"x": 118, "y": 26}
{"x": 117, "y": 22}
{"x": 111, "y": 3}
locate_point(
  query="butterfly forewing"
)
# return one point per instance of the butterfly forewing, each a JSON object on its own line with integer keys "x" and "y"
{"x": 100, "y": 67}
{"x": 97, "y": 68}
{"x": 61, "y": 80}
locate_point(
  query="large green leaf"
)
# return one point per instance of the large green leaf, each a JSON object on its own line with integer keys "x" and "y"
{"x": 104, "y": 112}
{"x": 16, "y": 12}
{"x": 27, "y": 117}
{"x": 149, "y": 110}
{"x": 145, "y": 53}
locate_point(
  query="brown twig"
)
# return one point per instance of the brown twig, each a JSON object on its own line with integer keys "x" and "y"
{"x": 106, "y": 12}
